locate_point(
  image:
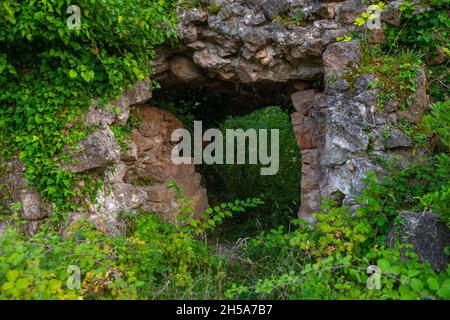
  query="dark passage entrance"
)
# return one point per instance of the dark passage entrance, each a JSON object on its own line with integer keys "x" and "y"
{"x": 231, "y": 106}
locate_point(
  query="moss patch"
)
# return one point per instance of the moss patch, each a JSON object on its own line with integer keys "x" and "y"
{"x": 396, "y": 74}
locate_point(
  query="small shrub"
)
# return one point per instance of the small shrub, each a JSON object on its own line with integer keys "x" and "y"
{"x": 425, "y": 32}
{"x": 332, "y": 260}
{"x": 155, "y": 260}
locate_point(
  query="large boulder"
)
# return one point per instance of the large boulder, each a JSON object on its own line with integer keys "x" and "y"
{"x": 15, "y": 189}
{"x": 98, "y": 150}
{"x": 341, "y": 57}
{"x": 427, "y": 234}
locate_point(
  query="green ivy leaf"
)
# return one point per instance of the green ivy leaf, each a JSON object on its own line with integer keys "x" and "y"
{"x": 22, "y": 283}
{"x": 12, "y": 275}
{"x": 73, "y": 74}
{"x": 384, "y": 265}
{"x": 444, "y": 291}
{"x": 417, "y": 284}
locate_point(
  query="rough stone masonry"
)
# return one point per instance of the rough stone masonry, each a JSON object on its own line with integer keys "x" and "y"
{"x": 289, "y": 42}
{"x": 251, "y": 42}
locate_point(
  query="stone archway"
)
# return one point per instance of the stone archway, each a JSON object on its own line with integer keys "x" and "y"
{"x": 336, "y": 123}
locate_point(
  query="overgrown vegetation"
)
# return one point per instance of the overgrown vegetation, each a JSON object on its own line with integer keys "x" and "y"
{"x": 425, "y": 27}
{"x": 155, "y": 260}
{"x": 50, "y": 73}
{"x": 332, "y": 261}
{"x": 424, "y": 33}
{"x": 48, "y": 76}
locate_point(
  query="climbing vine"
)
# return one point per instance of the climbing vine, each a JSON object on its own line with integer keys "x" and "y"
{"x": 49, "y": 74}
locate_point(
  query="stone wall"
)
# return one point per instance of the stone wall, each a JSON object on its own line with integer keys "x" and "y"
{"x": 136, "y": 177}
{"x": 264, "y": 41}
{"x": 309, "y": 123}
{"x": 289, "y": 42}
{"x": 340, "y": 130}
{"x": 261, "y": 41}
{"x": 133, "y": 179}
{"x": 248, "y": 42}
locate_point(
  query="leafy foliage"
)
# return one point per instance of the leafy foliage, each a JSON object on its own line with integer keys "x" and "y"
{"x": 396, "y": 74}
{"x": 154, "y": 260}
{"x": 280, "y": 192}
{"x": 426, "y": 30}
{"x": 331, "y": 261}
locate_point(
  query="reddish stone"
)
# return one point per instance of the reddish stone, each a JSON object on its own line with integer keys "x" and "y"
{"x": 415, "y": 112}
{"x": 377, "y": 36}
{"x": 305, "y": 140}
{"x": 302, "y": 100}
{"x": 297, "y": 120}
{"x": 301, "y": 85}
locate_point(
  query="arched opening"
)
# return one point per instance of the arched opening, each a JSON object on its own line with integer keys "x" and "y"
{"x": 230, "y": 105}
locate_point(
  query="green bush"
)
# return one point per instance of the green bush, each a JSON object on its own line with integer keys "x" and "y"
{"x": 428, "y": 34}
{"x": 426, "y": 31}
{"x": 332, "y": 260}
{"x": 157, "y": 260}
{"x": 280, "y": 192}
{"x": 49, "y": 74}
{"x": 154, "y": 260}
